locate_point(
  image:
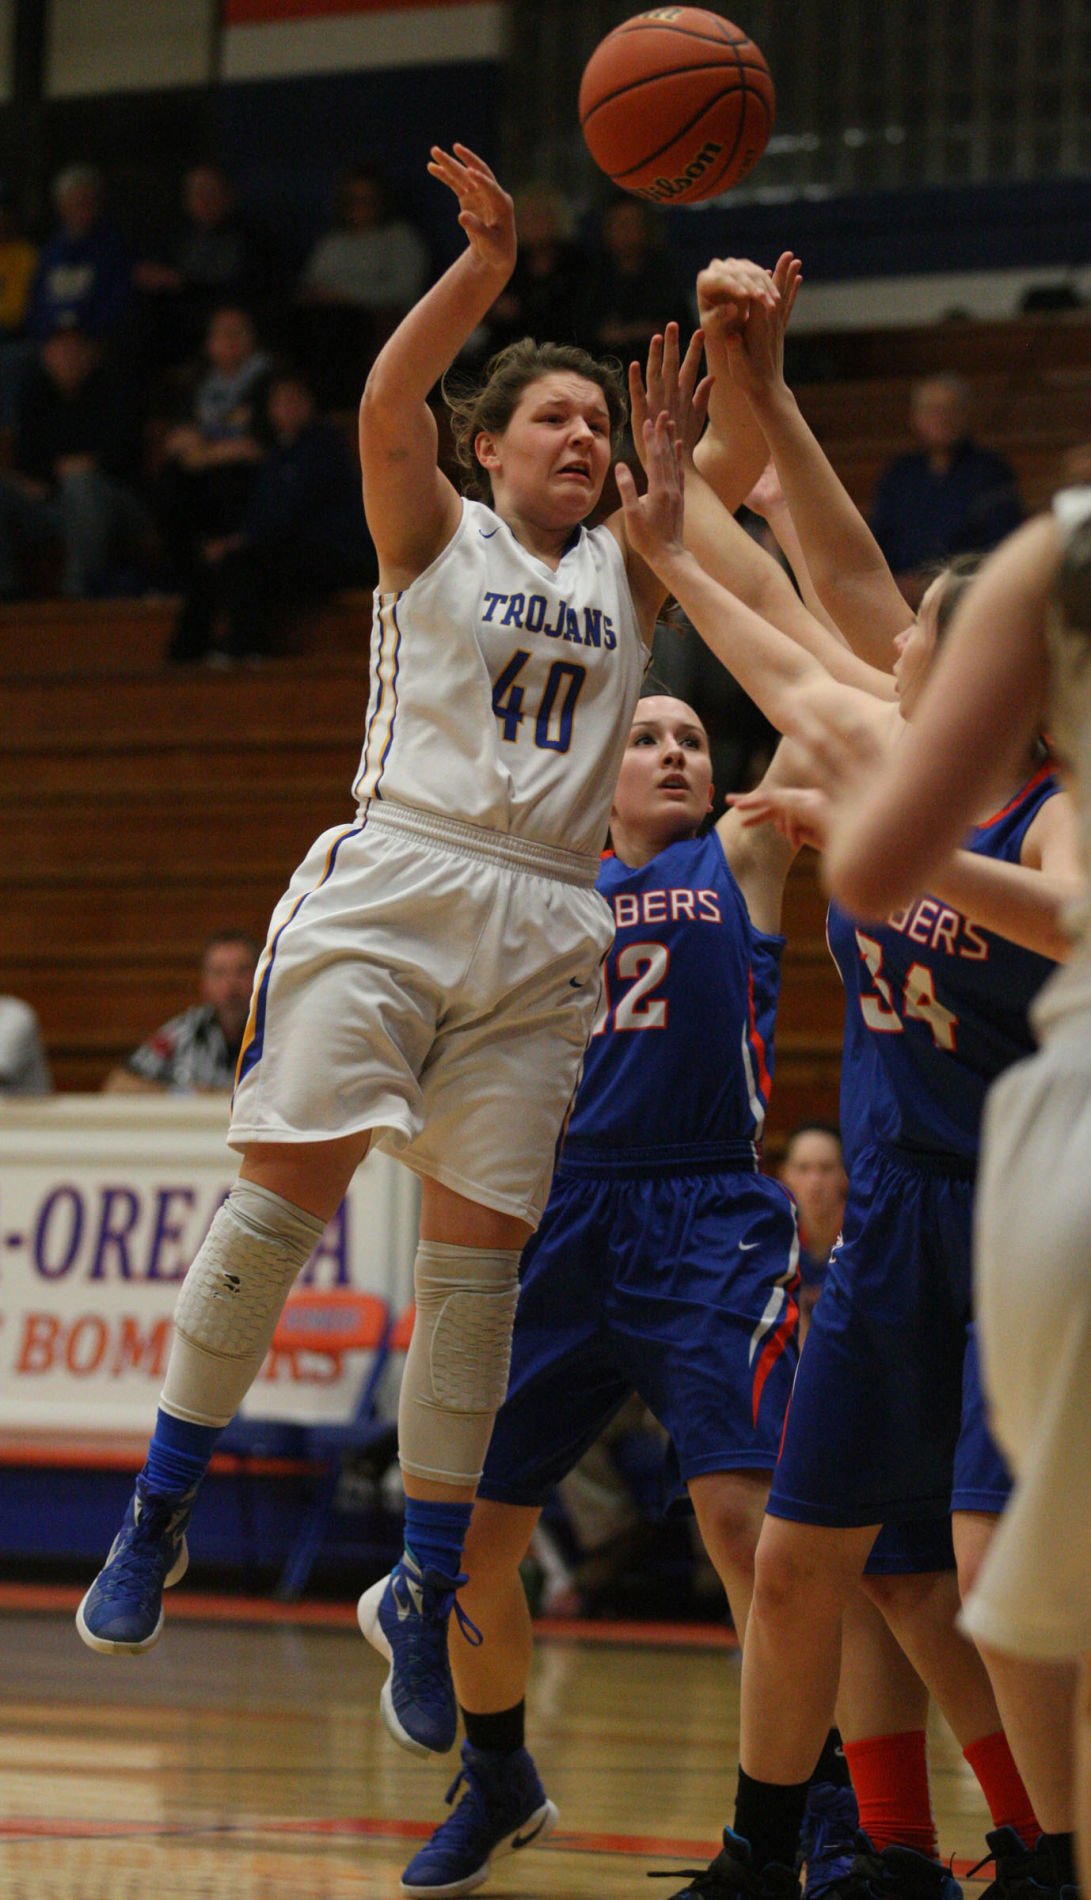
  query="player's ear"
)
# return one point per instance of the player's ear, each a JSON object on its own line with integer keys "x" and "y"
{"x": 711, "y": 794}
{"x": 485, "y": 449}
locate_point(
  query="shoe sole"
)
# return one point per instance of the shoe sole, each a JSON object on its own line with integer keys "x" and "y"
{"x": 528, "y": 1834}
{"x": 367, "y": 1615}
{"x": 108, "y": 1646}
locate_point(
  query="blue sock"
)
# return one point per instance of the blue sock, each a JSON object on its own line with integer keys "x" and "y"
{"x": 179, "y": 1453}
{"x": 435, "y": 1533}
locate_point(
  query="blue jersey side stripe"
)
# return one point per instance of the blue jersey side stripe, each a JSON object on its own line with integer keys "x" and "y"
{"x": 253, "y": 1041}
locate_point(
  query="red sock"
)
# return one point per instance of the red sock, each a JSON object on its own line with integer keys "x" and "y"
{"x": 1002, "y": 1786}
{"x": 890, "y": 1776}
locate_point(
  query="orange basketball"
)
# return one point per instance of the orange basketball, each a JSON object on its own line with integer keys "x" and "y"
{"x": 676, "y": 104}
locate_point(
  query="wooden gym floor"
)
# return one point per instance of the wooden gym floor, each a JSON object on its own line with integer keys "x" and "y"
{"x": 246, "y": 1759}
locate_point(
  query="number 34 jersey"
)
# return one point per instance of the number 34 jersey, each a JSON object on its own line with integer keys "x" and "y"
{"x": 935, "y": 1007}
{"x": 678, "y": 1069}
{"x": 502, "y": 691}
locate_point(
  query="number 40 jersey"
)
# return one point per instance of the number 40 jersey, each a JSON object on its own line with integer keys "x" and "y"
{"x": 678, "y": 1070}
{"x": 935, "y": 1007}
{"x": 502, "y": 690}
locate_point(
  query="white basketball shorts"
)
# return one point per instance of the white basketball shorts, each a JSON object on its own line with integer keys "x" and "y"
{"x": 1033, "y": 1302}
{"x": 435, "y": 983}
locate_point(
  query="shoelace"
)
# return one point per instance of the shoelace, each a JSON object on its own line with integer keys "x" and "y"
{"x": 146, "y": 1539}
{"x": 447, "y": 1601}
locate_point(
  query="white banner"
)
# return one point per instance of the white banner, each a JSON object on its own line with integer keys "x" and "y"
{"x": 104, "y": 1200}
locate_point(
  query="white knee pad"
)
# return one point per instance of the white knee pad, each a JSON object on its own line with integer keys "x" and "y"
{"x": 231, "y": 1299}
{"x": 456, "y": 1371}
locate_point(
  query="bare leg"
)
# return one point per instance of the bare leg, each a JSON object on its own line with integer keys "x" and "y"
{"x": 881, "y": 1692}
{"x": 494, "y": 1677}
{"x": 313, "y": 1175}
{"x": 921, "y": 1611}
{"x": 804, "y": 1576}
{"x": 1036, "y": 1700}
{"x": 730, "y": 1508}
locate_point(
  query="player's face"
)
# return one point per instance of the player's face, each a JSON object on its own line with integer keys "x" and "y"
{"x": 664, "y": 787}
{"x": 552, "y": 459}
{"x": 814, "y": 1172}
{"x": 227, "y": 977}
{"x": 916, "y": 648}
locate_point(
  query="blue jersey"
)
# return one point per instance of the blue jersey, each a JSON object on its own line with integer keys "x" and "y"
{"x": 652, "y": 1086}
{"x": 936, "y": 1007}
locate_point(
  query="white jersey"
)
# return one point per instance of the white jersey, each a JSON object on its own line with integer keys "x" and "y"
{"x": 1069, "y": 720}
{"x": 502, "y": 691}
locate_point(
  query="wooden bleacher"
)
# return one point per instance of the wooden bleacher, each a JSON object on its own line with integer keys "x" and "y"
{"x": 143, "y": 809}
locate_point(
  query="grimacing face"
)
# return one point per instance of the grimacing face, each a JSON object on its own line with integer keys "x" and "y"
{"x": 552, "y": 457}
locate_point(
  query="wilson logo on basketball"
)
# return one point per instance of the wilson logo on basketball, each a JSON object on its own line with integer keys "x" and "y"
{"x": 662, "y": 190}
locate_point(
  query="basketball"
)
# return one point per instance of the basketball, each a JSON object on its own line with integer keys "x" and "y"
{"x": 676, "y": 104}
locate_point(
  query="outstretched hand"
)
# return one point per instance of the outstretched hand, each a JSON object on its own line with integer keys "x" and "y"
{"x": 800, "y": 813}
{"x": 654, "y": 520}
{"x": 728, "y": 289}
{"x": 486, "y": 212}
{"x": 671, "y": 385}
{"x": 755, "y": 345}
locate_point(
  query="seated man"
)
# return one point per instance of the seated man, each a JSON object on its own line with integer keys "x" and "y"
{"x": 196, "y": 1051}
{"x": 74, "y": 471}
{"x": 949, "y": 496}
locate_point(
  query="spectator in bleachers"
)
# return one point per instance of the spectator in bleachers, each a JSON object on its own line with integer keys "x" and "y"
{"x": 301, "y": 536}
{"x": 544, "y": 296}
{"x": 210, "y": 461}
{"x": 196, "y": 1051}
{"x": 358, "y": 282}
{"x": 83, "y": 271}
{"x": 75, "y": 470}
{"x": 214, "y": 255}
{"x": 950, "y": 496}
{"x": 633, "y": 286}
{"x": 23, "y": 1066}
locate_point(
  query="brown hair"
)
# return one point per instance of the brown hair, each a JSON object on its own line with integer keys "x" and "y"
{"x": 491, "y": 405}
{"x": 956, "y": 576}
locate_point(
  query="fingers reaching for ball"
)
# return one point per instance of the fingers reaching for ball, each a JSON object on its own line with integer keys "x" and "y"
{"x": 673, "y": 383}
{"x": 654, "y": 520}
{"x": 486, "y": 212}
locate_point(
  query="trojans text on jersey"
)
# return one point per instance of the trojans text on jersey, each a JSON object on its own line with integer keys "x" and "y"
{"x": 533, "y": 613}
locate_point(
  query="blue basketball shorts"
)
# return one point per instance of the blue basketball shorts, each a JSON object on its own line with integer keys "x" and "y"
{"x": 679, "y": 1287}
{"x": 887, "y": 1420}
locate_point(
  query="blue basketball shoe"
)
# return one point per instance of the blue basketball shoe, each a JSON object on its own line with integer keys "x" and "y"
{"x": 731, "y": 1877}
{"x": 404, "y": 1616}
{"x": 827, "y": 1840}
{"x": 505, "y": 1808}
{"x": 123, "y": 1610}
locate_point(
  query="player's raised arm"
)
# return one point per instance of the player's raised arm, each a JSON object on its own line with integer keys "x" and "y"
{"x": 724, "y": 548}
{"x": 774, "y": 669}
{"x": 412, "y": 509}
{"x": 850, "y": 573}
{"x": 733, "y": 450}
